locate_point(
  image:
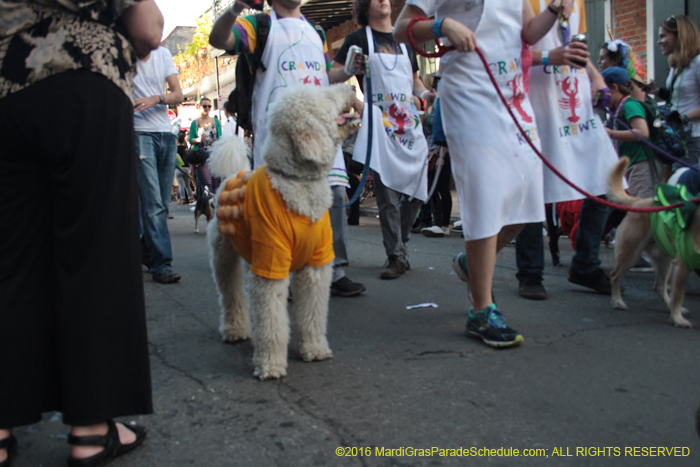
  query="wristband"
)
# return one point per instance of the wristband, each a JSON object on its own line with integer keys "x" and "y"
{"x": 552, "y": 10}
{"x": 437, "y": 26}
{"x": 545, "y": 57}
{"x": 161, "y": 99}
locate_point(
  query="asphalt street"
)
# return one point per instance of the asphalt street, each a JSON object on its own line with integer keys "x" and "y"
{"x": 590, "y": 386}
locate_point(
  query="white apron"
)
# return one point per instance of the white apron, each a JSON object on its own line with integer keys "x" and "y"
{"x": 497, "y": 175}
{"x": 399, "y": 148}
{"x": 573, "y": 137}
{"x": 293, "y": 54}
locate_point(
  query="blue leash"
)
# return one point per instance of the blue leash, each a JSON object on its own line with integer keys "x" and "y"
{"x": 650, "y": 144}
{"x": 365, "y": 172}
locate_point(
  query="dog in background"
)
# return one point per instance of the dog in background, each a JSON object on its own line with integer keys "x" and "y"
{"x": 634, "y": 235}
{"x": 204, "y": 207}
{"x": 276, "y": 219}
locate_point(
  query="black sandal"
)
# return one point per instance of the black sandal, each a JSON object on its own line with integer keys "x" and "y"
{"x": 113, "y": 448}
{"x": 10, "y": 445}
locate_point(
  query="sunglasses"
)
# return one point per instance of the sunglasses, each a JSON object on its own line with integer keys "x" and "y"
{"x": 206, "y": 106}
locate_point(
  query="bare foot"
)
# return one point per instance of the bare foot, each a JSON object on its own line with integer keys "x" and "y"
{"x": 126, "y": 436}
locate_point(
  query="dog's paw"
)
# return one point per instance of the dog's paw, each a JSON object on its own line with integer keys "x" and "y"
{"x": 618, "y": 304}
{"x": 233, "y": 337}
{"x": 270, "y": 372}
{"x": 310, "y": 353}
{"x": 196, "y": 231}
{"x": 681, "y": 322}
{"x": 684, "y": 310}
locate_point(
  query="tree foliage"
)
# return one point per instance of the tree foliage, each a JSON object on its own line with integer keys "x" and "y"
{"x": 195, "y": 62}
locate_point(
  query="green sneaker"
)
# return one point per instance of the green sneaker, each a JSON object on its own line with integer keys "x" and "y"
{"x": 489, "y": 325}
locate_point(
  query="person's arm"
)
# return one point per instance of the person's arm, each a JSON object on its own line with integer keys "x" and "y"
{"x": 536, "y": 27}
{"x": 221, "y": 36}
{"x": 461, "y": 37}
{"x": 597, "y": 80}
{"x": 143, "y": 23}
{"x": 419, "y": 89}
{"x": 337, "y": 73}
{"x": 174, "y": 97}
{"x": 638, "y": 124}
{"x": 193, "y": 133}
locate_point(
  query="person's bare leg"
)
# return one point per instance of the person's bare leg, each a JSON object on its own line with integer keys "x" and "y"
{"x": 4, "y": 433}
{"x": 481, "y": 261}
{"x": 508, "y": 233}
{"x": 126, "y": 436}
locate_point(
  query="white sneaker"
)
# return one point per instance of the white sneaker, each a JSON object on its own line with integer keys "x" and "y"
{"x": 435, "y": 231}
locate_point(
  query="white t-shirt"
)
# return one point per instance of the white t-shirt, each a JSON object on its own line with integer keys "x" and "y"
{"x": 229, "y": 126}
{"x": 150, "y": 81}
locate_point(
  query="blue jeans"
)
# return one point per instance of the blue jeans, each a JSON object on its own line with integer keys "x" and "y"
{"x": 156, "y": 153}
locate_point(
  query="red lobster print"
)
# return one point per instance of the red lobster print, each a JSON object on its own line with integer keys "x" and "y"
{"x": 570, "y": 102}
{"x": 307, "y": 80}
{"x": 518, "y": 97}
{"x": 400, "y": 117}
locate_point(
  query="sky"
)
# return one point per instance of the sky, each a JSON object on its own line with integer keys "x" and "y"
{"x": 180, "y": 13}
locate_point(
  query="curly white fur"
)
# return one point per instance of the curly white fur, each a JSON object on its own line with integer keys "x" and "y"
{"x": 299, "y": 151}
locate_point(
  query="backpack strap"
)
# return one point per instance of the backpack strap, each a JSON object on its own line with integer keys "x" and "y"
{"x": 318, "y": 29}
{"x": 262, "y": 22}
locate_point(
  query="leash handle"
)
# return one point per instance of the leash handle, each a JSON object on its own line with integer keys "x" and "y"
{"x": 442, "y": 50}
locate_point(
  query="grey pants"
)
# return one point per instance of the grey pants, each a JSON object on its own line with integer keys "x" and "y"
{"x": 641, "y": 180}
{"x": 339, "y": 224}
{"x": 396, "y": 216}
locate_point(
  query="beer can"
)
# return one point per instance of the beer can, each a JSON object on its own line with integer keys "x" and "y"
{"x": 350, "y": 61}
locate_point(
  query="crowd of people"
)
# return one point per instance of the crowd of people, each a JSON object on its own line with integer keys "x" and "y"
{"x": 73, "y": 339}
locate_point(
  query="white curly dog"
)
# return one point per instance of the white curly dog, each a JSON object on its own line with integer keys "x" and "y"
{"x": 276, "y": 219}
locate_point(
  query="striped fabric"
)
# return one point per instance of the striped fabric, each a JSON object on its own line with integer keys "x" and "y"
{"x": 244, "y": 29}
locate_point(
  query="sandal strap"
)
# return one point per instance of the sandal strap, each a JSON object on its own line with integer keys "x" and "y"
{"x": 95, "y": 440}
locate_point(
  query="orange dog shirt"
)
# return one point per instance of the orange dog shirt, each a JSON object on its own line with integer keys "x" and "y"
{"x": 274, "y": 240}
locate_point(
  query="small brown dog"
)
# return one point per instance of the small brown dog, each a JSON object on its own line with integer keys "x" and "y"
{"x": 634, "y": 235}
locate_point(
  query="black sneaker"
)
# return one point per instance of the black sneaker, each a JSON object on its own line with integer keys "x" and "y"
{"x": 531, "y": 288}
{"x": 489, "y": 325}
{"x": 596, "y": 280}
{"x": 344, "y": 287}
{"x": 166, "y": 277}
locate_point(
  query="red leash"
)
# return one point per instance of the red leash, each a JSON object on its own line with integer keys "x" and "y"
{"x": 442, "y": 50}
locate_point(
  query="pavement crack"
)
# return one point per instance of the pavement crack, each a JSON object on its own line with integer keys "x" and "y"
{"x": 327, "y": 424}
{"x": 154, "y": 352}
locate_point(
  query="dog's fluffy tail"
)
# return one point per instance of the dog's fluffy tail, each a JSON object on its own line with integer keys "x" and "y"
{"x": 616, "y": 192}
{"x": 229, "y": 155}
